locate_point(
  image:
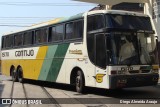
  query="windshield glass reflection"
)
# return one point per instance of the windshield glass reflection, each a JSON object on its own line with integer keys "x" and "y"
{"x": 133, "y": 48}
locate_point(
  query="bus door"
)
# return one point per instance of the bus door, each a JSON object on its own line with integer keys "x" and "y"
{"x": 96, "y": 48}
{"x": 100, "y": 59}
{"x": 96, "y": 45}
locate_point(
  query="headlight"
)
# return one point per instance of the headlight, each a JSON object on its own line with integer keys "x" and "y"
{"x": 155, "y": 71}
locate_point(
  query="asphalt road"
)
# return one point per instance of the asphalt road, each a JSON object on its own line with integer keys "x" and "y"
{"x": 65, "y": 96}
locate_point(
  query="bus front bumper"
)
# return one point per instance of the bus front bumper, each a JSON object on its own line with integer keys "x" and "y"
{"x": 124, "y": 81}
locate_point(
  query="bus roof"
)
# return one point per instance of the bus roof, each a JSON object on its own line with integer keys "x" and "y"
{"x": 121, "y": 12}
{"x": 78, "y": 16}
{"x": 50, "y": 22}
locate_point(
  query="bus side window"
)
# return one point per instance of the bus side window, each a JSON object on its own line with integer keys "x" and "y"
{"x": 55, "y": 33}
{"x": 41, "y": 35}
{"x": 74, "y": 30}
{"x": 28, "y": 38}
{"x": 9, "y": 41}
{"x": 51, "y": 34}
{"x": 78, "y": 29}
{"x": 37, "y": 36}
{"x": 95, "y": 22}
{"x": 18, "y": 40}
{"x": 3, "y": 42}
{"x": 69, "y": 31}
{"x": 59, "y": 33}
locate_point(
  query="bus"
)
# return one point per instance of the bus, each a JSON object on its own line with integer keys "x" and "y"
{"x": 108, "y": 49}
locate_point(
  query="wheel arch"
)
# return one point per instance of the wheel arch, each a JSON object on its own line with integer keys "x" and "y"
{"x": 11, "y": 68}
{"x": 74, "y": 73}
{"x": 19, "y": 66}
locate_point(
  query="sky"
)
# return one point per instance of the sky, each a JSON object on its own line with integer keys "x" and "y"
{"x": 16, "y": 14}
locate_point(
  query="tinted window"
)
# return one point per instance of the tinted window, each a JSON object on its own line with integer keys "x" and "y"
{"x": 9, "y": 41}
{"x": 126, "y": 22}
{"x": 69, "y": 31}
{"x": 95, "y": 22}
{"x": 96, "y": 49}
{"x": 91, "y": 48}
{"x": 28, "y": 38}
{"x": 100, "y": 51}
{"x": 41, "y": 35}
{"x": 55, "y": 33}
{"x": 3, "y": 42}
{"x": 52, "y": 32}
{"x": 78, "y": 28}
{"x": 58, "y": 31}
{"x": 18, "y": 40}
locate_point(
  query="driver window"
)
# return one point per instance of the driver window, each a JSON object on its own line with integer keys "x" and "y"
{"x": 95, "y": 22}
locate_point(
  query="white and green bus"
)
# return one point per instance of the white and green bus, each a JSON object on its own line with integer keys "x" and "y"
{"x": 103, "y": 49}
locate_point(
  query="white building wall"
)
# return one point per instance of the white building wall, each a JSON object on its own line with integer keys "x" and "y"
{"x": 153, "y": 10}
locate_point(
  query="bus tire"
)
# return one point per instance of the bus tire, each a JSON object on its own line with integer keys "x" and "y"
{"x": 20, "y": 75}
{"x": 80, "y": 82}
{"x": 14, "y": 75}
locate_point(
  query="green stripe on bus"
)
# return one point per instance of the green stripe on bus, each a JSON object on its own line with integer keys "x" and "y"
{"x": 53, "y": 62}
{"x": 47, "y": 62}
{"x": 57, "y": 62}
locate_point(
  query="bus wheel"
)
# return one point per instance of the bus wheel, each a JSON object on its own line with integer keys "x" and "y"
{"x": 14, "y": 75}
{"x": 20, "y": 75}
{"x": 79, "y": 82}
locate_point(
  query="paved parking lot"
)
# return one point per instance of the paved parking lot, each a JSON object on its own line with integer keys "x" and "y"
{"x": 65, "y": 95}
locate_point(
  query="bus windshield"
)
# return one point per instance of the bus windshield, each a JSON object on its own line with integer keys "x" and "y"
{"x": 130, "y": 48}
{"x": 117, "y": 21}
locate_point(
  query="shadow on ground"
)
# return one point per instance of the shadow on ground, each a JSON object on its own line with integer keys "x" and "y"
{"x": 1, "y": 88}
{"x": 142, "y": 92}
